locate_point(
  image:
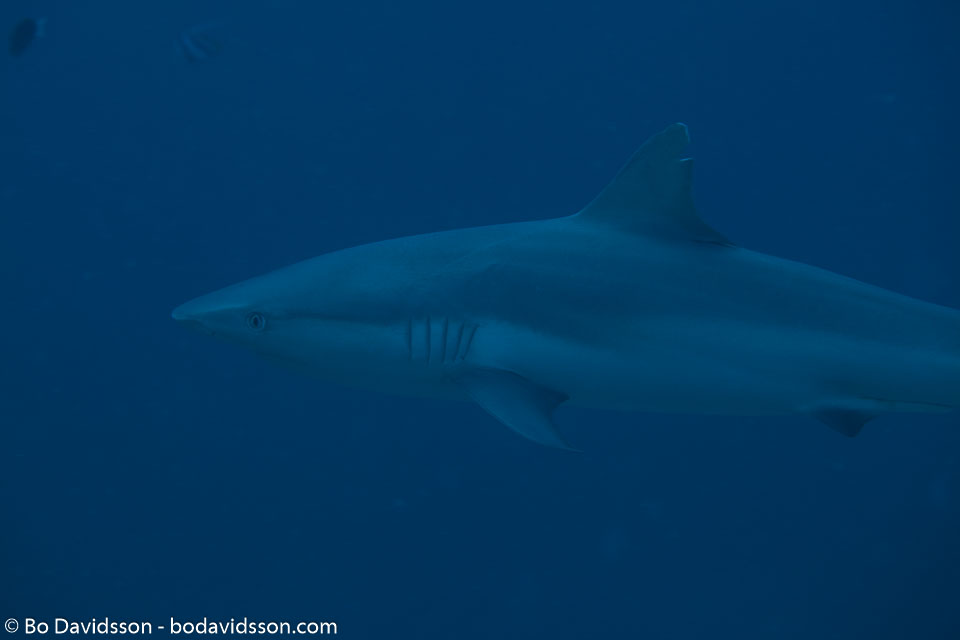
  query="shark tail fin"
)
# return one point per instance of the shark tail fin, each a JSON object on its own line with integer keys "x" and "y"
{"x": 652, "y": 194}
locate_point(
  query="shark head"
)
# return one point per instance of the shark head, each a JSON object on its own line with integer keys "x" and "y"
{"x": 325, "y": 315}
{"x": 259, "y": 312}
{"x": 236, "y": 313}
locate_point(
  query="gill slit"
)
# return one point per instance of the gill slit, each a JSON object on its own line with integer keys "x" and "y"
{"x": 428, "y": 340}
{"x": 443, "y": 340}
{"x": 410, "y": 339}
{"x": 466, "y": 349}
{"x": 456, "y": 349}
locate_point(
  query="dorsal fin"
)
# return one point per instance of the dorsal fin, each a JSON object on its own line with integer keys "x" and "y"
{"x": 652, "y": 193}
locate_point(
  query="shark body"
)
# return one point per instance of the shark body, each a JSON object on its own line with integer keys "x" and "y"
{"x": 633, "y": 303}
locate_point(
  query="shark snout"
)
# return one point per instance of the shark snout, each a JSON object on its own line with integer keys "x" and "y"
{"x": 225, "y": 312}
{"x": 192, "y": 314}
{"x": 187, "y": 312}
{"x": 180, "y": 314}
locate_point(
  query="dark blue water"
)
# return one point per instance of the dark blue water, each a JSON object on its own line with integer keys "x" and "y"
{"x": 147, "y": 472}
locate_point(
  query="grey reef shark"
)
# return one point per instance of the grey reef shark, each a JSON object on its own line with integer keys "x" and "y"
{"x": 634, "y": 303}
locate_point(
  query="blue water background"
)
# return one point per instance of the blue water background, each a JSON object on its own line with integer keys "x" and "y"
{"x": 147, "y": 472}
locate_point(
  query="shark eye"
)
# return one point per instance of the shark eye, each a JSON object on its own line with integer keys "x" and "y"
{"x": 256, "y": 321}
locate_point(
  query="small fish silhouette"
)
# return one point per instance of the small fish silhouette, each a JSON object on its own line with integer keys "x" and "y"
{"x": 198, "y": 43}
{"x": 23, "y": 35}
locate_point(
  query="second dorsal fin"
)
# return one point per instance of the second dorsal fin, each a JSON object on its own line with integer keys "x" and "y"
{"x": 652, "y": 193}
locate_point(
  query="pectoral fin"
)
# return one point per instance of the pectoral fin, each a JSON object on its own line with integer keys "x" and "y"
{"x": 518, "y": 403}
